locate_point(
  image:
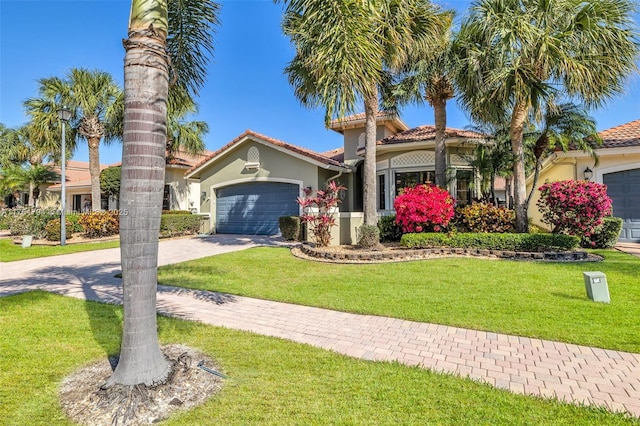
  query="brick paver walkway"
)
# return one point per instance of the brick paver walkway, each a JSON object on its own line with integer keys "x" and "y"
{"x": 572, "y": 373}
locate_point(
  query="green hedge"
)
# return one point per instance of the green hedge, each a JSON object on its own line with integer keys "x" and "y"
{"x": 389, "y": 229}
{"x": 173, "y": 225}
{"x": 607, "y": 236}
{"x": 510, "y": 242}
{"x": 30, "y": 221}
{"x": 290, "y": 228}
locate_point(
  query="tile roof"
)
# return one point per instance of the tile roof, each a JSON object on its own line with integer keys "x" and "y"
{"x": 355, "y": 120}
{"x": 426, "y": 133}
{"x": 184, "y": 159}
{"x": 269, "y": 140}
{"x": 360, "y": 116}
{"x": 335, "y": 154}
{"x": 620, "y": 136}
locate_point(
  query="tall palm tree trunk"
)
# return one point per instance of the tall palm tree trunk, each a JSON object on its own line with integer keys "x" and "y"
{"x": 94, "y": 172}
{"x": 440, "y": 116}
{"x": 143, "y": 167}
{"x": 516, "y": 132}
{"x": 369, "y": 193}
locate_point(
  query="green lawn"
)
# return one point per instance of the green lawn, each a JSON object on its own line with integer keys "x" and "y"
{"x": 535, "y": 299}
{"x": 10, "y": 252}
{"x": 45, "y": 337}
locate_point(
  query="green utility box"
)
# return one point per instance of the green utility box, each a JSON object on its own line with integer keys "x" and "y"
{"x": 596, "y": 285}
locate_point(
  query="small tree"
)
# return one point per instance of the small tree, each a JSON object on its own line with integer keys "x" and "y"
{"x": 320, "y": 211}
{"x": 574, "y": 207}
{"x": 423, "y": 208}
{"x": 110, "y": 181}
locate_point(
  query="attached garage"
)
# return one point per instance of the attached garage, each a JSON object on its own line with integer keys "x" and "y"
{"x": 624, "y": 189}
{"x": 254, "y": 208}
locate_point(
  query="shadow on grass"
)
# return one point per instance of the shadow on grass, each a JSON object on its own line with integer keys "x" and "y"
{"x": 98, "y": 283}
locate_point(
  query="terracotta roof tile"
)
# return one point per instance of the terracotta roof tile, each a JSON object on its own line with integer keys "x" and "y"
{"x": 425, "y": 133}
{"x": 276, "y": 142}
{"x": 620, "y": 136}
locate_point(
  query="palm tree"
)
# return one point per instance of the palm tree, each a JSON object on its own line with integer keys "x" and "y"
{"x": 160, "y": 34}
{"x": 343, "y": 50}
{"x": 428, "y": 77}
{"x": 19, "y": 146}
{"x": 92, "y": 96}
{"x": 517, "y": 54}
{"x": 185, "y": 136}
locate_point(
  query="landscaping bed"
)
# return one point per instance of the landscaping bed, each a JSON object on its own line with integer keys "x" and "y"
{"x": 396, "y": 253}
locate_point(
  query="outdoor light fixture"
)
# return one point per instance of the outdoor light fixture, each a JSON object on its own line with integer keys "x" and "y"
{"x": 588, "y": 174}
{"x": 65, "y": 114}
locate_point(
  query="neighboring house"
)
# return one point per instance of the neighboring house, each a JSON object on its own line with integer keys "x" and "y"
{"x": 77, "y": 188}
{"x": 618, "y": 168}
{"x": 178, "y": 194}
{"x": 249, "y": 183}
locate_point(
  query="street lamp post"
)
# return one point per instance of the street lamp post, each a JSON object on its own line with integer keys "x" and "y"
{"x": 65, "y": 114}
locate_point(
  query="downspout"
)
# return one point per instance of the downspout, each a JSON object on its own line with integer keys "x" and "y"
{"x": 326, "y": 182}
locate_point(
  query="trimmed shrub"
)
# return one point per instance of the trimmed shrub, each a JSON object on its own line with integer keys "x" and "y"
{"x": 368, "y": 236}
{"x": 176, "y": 212}
{"x": 483, "y": 217}
{"x": 290, "y": 227}
{"x": 506, "y": 241}
{"x": 174, "y": 225}
{"x": 606, "y": 236}
{"x": 389, "y": 229}
{"x": 100, "y": 224}
{"x": 423, "y": 208}
{"x": 30, "y": 221}
{"x": 574, "y": 207}
{"x": 72, "y": 227}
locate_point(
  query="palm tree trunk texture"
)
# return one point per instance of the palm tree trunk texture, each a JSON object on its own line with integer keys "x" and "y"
{"x": 440, "y": 116}
{"x": 94, "y": 172}
{"x": 519, "y": 184}
{"x": 369, "y": 193}
{"x": 143, "y": 168}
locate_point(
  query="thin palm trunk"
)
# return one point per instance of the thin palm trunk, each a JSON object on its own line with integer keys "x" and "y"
{"x": 440, "y": 115}
{"x": 143, "y": 166}
{"x": 369, "y": 193}
{"x": 516, "y": 132}
{"x": 94, "y": 172}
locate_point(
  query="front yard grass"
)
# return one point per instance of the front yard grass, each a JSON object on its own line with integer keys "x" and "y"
{"x": 535, "y": 299}
{"x": 274, "y": 382}
{"x": 10, "y": 252}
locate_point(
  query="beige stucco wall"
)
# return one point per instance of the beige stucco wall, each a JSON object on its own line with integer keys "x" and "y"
{"x": 571, "y": 165}
{"x": 353, "y": 138}
{"x": 180, "y": 191}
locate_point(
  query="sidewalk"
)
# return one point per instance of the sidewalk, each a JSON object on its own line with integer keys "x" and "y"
{"x": 572, "y": 373}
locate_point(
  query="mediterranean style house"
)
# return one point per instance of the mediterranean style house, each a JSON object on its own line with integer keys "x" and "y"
{"x": 250, "y": 182}
{"x": 618, "y": 167}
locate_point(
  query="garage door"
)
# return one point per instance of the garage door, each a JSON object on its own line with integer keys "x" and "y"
{"x": 254, "y": 208}
{"x": 624, "y": 190}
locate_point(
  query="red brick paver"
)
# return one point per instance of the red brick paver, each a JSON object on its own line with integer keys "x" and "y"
{"x": 572, "y": 373}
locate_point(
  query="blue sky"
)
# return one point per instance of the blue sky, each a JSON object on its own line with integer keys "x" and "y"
{"x": 246, "y": 87}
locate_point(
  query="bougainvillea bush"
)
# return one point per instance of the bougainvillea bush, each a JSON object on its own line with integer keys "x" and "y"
{"x": 319, "y": 211}
{"x": 423, "y": 208}
{"x": 574, "y": 207}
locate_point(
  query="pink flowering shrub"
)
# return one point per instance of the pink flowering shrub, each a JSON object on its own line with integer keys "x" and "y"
{"x": 319, "y": 211}
{"x": 423, "y": 208}
{"x": 574, "y": 207}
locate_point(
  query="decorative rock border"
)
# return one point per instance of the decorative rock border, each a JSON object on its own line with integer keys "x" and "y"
{"x": 400, "y": 255}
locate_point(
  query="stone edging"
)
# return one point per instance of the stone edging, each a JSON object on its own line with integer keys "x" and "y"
{"x": 400, "y": 255}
